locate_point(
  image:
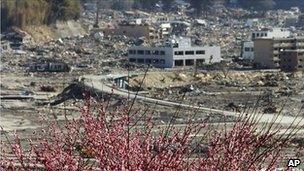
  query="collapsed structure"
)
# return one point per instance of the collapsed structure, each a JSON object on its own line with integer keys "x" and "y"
{"x": 175, "y": 52}
{"x": 134, "y": 28}
{"x": 46, "y": 65}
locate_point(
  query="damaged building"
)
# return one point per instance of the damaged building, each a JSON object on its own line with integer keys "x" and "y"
{"x": 48, "y": 66}
{"x": 176, "y": 52}
{"x": 292, "y": 60}
{"x": 134, "y": 29}
{"x": 267, "y": 50}
{"x": 248, "y": 46}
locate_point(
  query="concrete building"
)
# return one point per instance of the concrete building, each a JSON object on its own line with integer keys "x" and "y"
{"x": 165, "y": 30}
{"x": 176, "y": 52}
{"x": 271, "y": 33}
{"x": 248, "y": 50}
{"x": 267, "y": 50}
{"x": 292, "y": 60}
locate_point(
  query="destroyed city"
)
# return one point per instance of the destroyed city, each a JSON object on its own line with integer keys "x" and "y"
{"x": 152, "y": 85}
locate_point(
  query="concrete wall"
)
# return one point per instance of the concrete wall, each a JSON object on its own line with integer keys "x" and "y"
{"x": 292, "y": 60}
{"x": 289, "y": 61}
{"x": 263, "y": 53}
{"x": 213, "y": 52}
{"x": 167, "y": 57}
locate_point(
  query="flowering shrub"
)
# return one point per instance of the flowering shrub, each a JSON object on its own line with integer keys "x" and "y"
{"x": 105, "y": 140}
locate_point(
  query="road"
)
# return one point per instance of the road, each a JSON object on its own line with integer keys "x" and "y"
{"x": 101, "y": 83}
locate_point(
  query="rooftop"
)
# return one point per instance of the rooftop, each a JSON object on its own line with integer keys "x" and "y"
{"x": 281, "y": 38}
{"x": 294, "y": 50}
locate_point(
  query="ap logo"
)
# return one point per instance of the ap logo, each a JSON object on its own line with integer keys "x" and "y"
{"x": 293, "y": 162}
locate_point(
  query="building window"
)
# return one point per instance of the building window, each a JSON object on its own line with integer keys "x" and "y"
{"x": 155, "y": 61}
{"x": 148, "y": 61}
{"x": 132, "y": 52}
{"x": 200, "y": 61}
{"x": 200, "y": 52}
{"x": 162, "y": 52}
{"x": 189, "y": 52}
{"x": 178, "y": 62}
{"x": 155, "y": 52}
{"x": 247, "y": 49}
{"x": 178, "y": 53}
{"x": 265, "y": 34}
{"x": 147, "y": 52}
{"x": 140, "y": 60}
{"x": 132, "y": 60}
{"x": 258, "y": 35}
{"x": 189, "y": 62}
{"x": 140, "y": 52}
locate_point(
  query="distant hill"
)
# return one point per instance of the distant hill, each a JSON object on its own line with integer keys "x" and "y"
{"x": 286, "y": 4}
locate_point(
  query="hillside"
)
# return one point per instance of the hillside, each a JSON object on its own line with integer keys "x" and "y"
{"x": 60, "y": 29}
{"x": 284, "y": 4}
{"x": 22, "y": 13}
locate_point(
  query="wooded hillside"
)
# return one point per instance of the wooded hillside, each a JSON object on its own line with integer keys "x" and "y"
{"x": 21, "y": 13}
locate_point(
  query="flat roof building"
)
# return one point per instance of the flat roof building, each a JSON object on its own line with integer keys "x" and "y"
{"x": 177, "y": 52}
{"x": 267, "y": 50}
{"x": 248, "y": 50}
{"x": 271, "y": 33}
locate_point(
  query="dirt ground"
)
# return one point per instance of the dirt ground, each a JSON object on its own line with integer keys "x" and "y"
{"x": 232, "y": 90}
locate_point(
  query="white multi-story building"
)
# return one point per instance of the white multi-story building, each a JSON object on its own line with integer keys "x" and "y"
{"x": 248, "y": 50}
{"x": 176, "y": 52}
{"x": 271, "y": 33}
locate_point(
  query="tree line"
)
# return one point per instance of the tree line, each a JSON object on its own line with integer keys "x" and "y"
{"x": 21, "y": 13}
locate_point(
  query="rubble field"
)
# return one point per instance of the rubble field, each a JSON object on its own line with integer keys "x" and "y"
{"x": 233, "y": 90}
